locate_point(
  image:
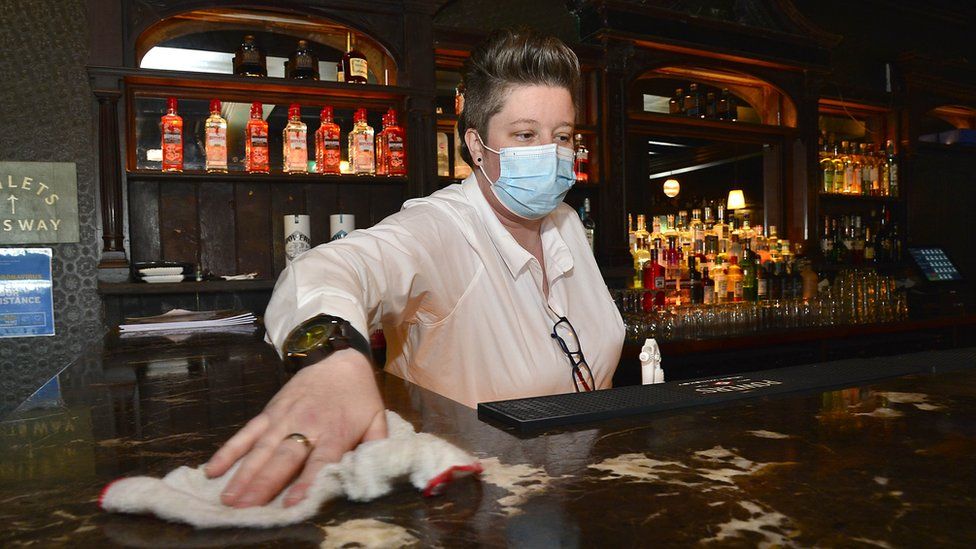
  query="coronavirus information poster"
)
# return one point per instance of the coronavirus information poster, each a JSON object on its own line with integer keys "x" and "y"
{"x": 26, "y": 300}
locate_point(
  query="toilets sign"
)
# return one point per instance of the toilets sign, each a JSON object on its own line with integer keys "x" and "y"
{"x": 38, "y": 202}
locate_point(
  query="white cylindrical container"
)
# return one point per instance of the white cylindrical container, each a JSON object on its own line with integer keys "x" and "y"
{"x": 650, "y": 359}
{"x": 340, "y": 225}
{"x": 298, "y": 235}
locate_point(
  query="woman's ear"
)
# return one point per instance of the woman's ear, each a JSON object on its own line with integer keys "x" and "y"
{"x": 474, "y": 145}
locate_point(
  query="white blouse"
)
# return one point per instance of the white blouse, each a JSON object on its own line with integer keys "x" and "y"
{"x": 459, "y": 300}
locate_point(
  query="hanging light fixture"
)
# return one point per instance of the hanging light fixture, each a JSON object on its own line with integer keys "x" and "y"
{"x": 736, "y": 201}
{"x": 672, "y": 187}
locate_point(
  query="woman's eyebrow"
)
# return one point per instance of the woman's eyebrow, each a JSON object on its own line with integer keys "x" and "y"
{"x": 536, "y": 122}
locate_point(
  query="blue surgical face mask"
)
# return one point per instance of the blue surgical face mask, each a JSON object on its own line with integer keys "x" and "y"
{"x": 532, "y": 180}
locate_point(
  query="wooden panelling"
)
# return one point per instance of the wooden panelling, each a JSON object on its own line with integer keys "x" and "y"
{"x": 384, "y": 201}
{"x": 353, "y": 198}
{"x": 320, "y": 202}
{"x": 144, "y": 221}
{"x": 179, "y": 231}
{"x": 218, "y": 248}
{"x": 285, "y": 199}
{"x": 253, "y": 216}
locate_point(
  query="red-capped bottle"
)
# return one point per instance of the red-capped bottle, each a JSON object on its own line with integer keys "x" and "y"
{"x": 382, "y": 157}
{"x": 396, "y": 154}
{"x": 171, "y": 127}
{"x": 256, "y": 142}
{"x": 328, "y": 155}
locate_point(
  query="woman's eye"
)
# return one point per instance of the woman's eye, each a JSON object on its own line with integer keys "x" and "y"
{"x": 563, "y": 138}
{"x": 524, "y": 135}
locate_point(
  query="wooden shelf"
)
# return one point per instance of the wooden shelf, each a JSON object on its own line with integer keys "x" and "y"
{"x": 641, "y": 118}
{"x": 273, "y": 177}
{"x": 185, "y": 287}
{"x": 858, "y": 197}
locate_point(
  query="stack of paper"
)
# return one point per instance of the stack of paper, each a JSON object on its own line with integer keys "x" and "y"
{"x": 183, "y": 320}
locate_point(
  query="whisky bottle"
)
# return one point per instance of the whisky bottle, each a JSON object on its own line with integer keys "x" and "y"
{"x": 327, "y": 152}
{"x": 294, "y": 142}
{"x": 256, "y": 142}
{"x": 708, "y": 288}
{"x": 303, "y": 64}
{"x": 826, "y": 167}
{"x": 354, "y": 65}
{"x": 749, "y": 277}
{"x": 171, "y": 128}
{"x": 249, "y": 59}
{"x": 693, "y": 102}
{"x": 215, "y": 141}
{"x": 676, "y": 105}
{"x": 396, "y": 153}
{"x": 340, "y": 76}
{"x": 362, "y": 158}
{"x": 695, "y": 285}
{"x": 891, "y": 162}
{"x": 581, "y": 160}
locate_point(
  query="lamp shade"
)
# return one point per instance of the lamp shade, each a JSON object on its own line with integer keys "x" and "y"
{"x": 737, "y": 200}
{"x": 672, "y": 188}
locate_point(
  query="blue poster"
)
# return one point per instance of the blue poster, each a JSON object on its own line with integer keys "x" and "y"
{"x": 26, "y": 300}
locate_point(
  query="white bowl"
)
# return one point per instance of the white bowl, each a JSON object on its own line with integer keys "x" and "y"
{"x": 159, "y": 271}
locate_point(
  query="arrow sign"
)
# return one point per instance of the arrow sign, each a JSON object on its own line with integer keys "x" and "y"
{"x": 13, "y": 204}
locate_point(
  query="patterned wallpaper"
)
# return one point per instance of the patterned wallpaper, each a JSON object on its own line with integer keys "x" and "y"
{"x": 46, "y": 115}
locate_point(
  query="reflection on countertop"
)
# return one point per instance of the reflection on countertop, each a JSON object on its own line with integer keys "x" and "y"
{"x": 889, "y": 464}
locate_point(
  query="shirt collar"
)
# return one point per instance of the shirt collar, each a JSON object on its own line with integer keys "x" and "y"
{"x": 554, "y": 248}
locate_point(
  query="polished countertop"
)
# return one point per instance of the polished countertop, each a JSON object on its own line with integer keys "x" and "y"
{"x": 889, "y": 464}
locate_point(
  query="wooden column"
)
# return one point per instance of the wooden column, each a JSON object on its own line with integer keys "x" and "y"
{"x": 612, "y": 236}
{"x": 421, "y": 121}
{"x": 110, "y": 181}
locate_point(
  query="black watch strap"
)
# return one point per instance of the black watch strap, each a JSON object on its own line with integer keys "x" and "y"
{"x": 320, "y": 336}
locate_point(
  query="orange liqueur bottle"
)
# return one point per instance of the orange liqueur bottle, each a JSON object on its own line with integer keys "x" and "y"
{"x": 171, "y": 126}
{"x": 382, "y": 161}
{"x": 216, "y": 140}
{"x": 327, "y": 152}
{"x": 395, "y": 156}
{"x": 256, "y": 142}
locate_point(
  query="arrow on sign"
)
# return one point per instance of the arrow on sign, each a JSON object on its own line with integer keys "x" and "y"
{"x": 13, "y": 204}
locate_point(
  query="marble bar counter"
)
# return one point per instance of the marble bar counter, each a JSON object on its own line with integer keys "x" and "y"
{"x": 890, "y": 464}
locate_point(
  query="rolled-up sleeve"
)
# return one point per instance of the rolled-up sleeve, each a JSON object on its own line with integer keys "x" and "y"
{"x": 372, "y": 277}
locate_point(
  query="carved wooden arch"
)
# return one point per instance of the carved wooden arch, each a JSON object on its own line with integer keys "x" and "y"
{"x": 379, "y": 35}
{"x": 767, "y": 97}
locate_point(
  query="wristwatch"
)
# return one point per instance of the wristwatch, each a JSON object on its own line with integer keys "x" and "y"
{"x": 320, "y": 336}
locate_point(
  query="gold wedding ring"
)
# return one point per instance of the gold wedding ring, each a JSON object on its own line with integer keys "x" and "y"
{"x": 298, "y": 437}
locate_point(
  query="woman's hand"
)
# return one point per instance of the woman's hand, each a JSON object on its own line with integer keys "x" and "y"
{"x": 334, "y": 403}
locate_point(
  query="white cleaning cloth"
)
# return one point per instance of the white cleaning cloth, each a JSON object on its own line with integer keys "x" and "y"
{"x": 365, "y": 473}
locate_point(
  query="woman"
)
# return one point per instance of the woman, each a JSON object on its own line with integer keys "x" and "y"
{"x": 485, "y": 290}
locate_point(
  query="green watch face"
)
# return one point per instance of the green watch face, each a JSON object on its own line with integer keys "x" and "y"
{"x": 313, "y": 337}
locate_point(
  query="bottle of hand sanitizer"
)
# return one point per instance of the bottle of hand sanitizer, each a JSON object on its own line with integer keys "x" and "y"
{"x": 650, "y": 359}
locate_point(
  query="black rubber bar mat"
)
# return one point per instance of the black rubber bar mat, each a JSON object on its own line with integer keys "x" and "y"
{"x": 532, "y": 414}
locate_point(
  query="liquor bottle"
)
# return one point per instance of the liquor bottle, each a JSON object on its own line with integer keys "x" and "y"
{"x": 827, "y": 241}
{"x": 631, "y": 237}
{"x": 838, "y": 169}
{"x": 443, "y": 156}
{"x": 588, "y": 224}
{"x": 891, "y": 162}
{"x": 354, "y": 65}
{"x": 865, "y": 169}
{"x": 774, "y": 281}
{"x": 249, "y": 59}
{"x": 396, "y": 154}
{"x": 734, "y": 280}
{"x": 708, "y": 288}
{"x": 693, "y": 102}
{"x": 727, "y": 108}
{"x": 581, "y": 163}
{"x": 762, "y": 282}
{"x": 340, "y": 75}
{"x": 695, "y": 286}
{"x": 796, "y": 280}
{"x": 215, "y": 140}
{"x": 256, "y": 142}
{"x": 749, "y": 277}
{"x": 327, "y": 152}
{"x": 826, "y": 167}
{"x": 171, "y": 128}
{"x": 676, "y": 105}
{"x": 642, "y": 253}
{"x": 382, "y": 164}
{"x": 362, "y": 158}
{"x": 294, "y": 142}
{"x": 721, "y": 287}
{"x": 711, "y": 106}
{"x": 303, "y": 64}
{"x": 697, "y": 233}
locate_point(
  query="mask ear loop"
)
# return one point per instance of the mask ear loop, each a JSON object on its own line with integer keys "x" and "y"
{"x": 481, "y": 165}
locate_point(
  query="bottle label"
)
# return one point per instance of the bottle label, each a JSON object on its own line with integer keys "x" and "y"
{"x": 259, "y": 150}
{"x": 304, "y": 62}
{"x": 590, "y": 233}
{"x": 737, "y": 289}
{"x": 396, "y": 156}
{"x": 216, "y": 148}
{"x": 363, "y": 160}
{"x": 762, "y": 289}
{"x": 709, "y": 295}
{"x": 172, "y": 148}
{"x": 357, "y": 68}
{"x": 296, "y": 157}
